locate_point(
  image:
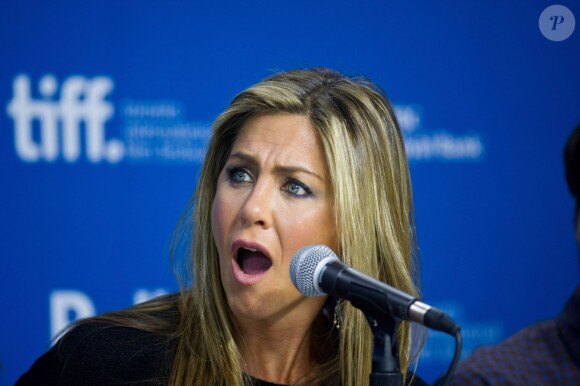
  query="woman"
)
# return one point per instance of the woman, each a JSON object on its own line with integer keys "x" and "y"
{"x": 303, "y": 157}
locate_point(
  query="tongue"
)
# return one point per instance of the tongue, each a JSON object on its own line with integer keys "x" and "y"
{"x": 253, "y": 263}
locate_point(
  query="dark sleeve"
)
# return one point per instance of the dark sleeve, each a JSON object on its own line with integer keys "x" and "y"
{"x": 479, "y": 369}
{"x": 468, "y": 376}
{"x": 97, "y": 354}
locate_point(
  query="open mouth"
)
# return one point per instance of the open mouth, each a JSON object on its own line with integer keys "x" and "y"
{"x": 252, "y": 261}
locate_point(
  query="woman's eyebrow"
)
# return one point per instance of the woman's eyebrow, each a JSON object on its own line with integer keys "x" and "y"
{"x": 244, "y": 157}
{"x": 289, "y": 169}
{"x": 296, "y": 169}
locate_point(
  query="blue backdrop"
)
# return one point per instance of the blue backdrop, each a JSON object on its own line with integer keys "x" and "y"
{"x": 106, "y": 111}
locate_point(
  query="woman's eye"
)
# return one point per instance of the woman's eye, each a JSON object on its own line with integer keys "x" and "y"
{"x": 297, "y": 189}
{"x": 238, "y": 175}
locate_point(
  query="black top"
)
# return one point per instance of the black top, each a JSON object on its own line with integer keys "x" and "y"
{"x": 98, "y": 354}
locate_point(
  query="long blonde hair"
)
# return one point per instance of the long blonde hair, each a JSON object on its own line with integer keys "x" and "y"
{"x": 373, "y": 209}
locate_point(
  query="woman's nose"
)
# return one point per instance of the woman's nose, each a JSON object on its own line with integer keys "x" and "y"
{"x": 257, "y": 207}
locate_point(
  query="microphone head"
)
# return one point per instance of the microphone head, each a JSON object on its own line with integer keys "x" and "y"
{"x": 306, "y": 266}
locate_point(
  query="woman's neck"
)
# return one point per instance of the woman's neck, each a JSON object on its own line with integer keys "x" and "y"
{"x": 280, "y": 352}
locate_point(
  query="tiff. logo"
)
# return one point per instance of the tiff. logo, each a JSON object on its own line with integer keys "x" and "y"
{"x": 59, "y": 122}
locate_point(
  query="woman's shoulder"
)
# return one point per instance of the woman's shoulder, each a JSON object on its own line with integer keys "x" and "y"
{"x": 110, "y": 341}
{"x": 107, "y": 350}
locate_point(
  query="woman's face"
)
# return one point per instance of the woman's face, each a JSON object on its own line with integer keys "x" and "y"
{"x": 273, "y": 197}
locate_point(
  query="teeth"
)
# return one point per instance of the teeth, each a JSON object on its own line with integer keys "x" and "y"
{"x": 250, "y": 249}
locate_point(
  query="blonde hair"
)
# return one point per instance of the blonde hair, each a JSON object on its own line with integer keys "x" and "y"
{"x": 373, "y": 209}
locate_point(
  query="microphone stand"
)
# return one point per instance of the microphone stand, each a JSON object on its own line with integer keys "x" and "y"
{"x": 386, "y": 369}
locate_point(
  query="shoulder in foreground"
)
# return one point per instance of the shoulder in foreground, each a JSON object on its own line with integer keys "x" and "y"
{"x": 530, "y": 356}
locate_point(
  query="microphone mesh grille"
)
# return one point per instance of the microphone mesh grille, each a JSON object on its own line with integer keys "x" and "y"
{"x": 303, "y": 268}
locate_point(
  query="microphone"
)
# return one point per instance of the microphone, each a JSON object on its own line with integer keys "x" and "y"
{"x": 316, "y": 271}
